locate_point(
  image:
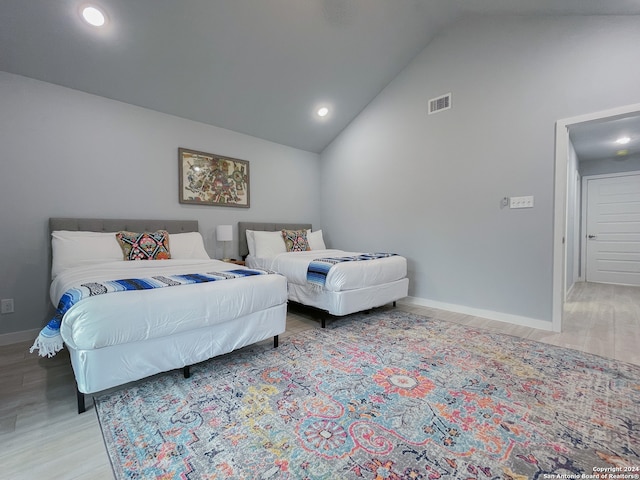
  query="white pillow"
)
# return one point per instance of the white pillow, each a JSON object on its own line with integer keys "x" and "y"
{"x": 187, "y": 246}
{"x": 251, "y": 242}
{"x": 73, "y": 249}
{"x": 316, "y": 242}
{"x": 269, "y": 244}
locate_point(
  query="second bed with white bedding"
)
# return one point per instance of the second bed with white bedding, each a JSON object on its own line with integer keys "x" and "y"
{"x": 349, "y": 287}
{"x": 342, "y": 276}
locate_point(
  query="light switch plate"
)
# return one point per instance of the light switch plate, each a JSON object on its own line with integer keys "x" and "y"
{"x": 521, "y": 202}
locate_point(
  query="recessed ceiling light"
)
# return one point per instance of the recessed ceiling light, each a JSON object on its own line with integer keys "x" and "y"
{"x": 93, "y": 16}
{"x": 623, "y": 140}
{"x": 323, "y": 111}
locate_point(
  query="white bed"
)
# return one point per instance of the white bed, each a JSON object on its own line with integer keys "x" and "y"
{"x": 120, "y": 337}
{"x": 350, "y": 286}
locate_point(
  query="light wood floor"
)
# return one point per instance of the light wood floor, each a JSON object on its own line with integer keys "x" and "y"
{"x": 43, "y": 437}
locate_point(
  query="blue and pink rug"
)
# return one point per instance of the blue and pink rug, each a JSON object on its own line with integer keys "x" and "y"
{"x": 388, "y": 395}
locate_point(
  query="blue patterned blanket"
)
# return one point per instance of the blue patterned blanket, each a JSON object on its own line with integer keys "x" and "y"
{"x": 318, "y": 268}
{"x": 49, "y": 341}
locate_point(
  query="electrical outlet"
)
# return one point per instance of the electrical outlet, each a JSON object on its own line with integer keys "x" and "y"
{"x": 521, "y": 202}
{"x": 6, "y": 305}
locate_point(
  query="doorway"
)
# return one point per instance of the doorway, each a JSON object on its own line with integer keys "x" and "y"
{"x": 561, "y": 226}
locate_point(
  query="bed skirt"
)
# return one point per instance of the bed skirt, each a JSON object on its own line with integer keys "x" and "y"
{"x": 103, "y": 368}
{"x": 349, "y": 301}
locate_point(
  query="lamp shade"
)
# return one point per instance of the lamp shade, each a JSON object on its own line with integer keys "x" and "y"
{"x": 224, "y": 233}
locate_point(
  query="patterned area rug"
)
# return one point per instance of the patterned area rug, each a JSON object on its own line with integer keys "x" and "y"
{"x": 388, "y": 395}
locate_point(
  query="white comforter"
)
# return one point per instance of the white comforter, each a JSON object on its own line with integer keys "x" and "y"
{"x": 342, "y": 276}
{"x": 129, "y": 316}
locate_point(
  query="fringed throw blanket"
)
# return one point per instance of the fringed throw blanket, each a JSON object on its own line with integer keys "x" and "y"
{"x": 319, "y": 268}
{"x": 49, "y": 341}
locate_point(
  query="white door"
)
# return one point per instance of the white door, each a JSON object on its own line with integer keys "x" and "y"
{"x": 613, "y": 230}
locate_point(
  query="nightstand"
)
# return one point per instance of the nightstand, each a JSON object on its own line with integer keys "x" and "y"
{"x": 234, "y": 261}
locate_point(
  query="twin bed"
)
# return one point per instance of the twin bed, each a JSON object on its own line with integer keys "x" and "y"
{"x": 349, "y": 287}
{"x": 211, "y": 307}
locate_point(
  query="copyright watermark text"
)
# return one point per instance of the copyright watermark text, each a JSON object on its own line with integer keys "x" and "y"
{"x": 608, "y": 473}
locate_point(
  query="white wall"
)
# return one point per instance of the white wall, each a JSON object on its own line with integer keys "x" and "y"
{"x": 67, "y": 153}
{"x": 429, "y": 187}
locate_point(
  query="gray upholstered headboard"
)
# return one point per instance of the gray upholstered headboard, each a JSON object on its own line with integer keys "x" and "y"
{"x": 243, "y": 248}
{"x": 115, "y": 225}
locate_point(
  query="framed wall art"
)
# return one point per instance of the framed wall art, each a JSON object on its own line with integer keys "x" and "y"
{"x": 210, "y": 179}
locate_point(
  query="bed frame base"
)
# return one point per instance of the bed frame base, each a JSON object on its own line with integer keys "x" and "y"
{"x": 323, "y": 315}
{"x": 186, "y": 372}
{"x": 81, "y": 405}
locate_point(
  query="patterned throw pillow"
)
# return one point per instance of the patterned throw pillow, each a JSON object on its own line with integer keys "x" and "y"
{"x": 144, "y": 246}
{"x": 296, "y": 240}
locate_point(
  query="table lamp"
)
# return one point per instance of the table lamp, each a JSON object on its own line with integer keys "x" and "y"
{"x": 224, "y": 234}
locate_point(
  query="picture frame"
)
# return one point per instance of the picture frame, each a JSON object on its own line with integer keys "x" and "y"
{"x": 210, "y": 179}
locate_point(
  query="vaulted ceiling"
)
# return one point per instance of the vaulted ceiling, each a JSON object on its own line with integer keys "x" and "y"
{"x": 260, "y": 67}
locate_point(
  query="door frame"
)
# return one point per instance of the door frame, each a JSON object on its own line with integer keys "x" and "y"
{"x": 560, "y": 202}
{"x": 583, "y": 213}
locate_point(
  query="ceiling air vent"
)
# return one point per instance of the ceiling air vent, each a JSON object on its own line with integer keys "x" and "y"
{"x": 443, "y": 102}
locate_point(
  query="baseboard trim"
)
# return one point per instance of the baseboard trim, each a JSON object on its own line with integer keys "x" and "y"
{"x": 477, "y": 312}
{"x": 18, "y": 337}
{"x": 569, "y": 290}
